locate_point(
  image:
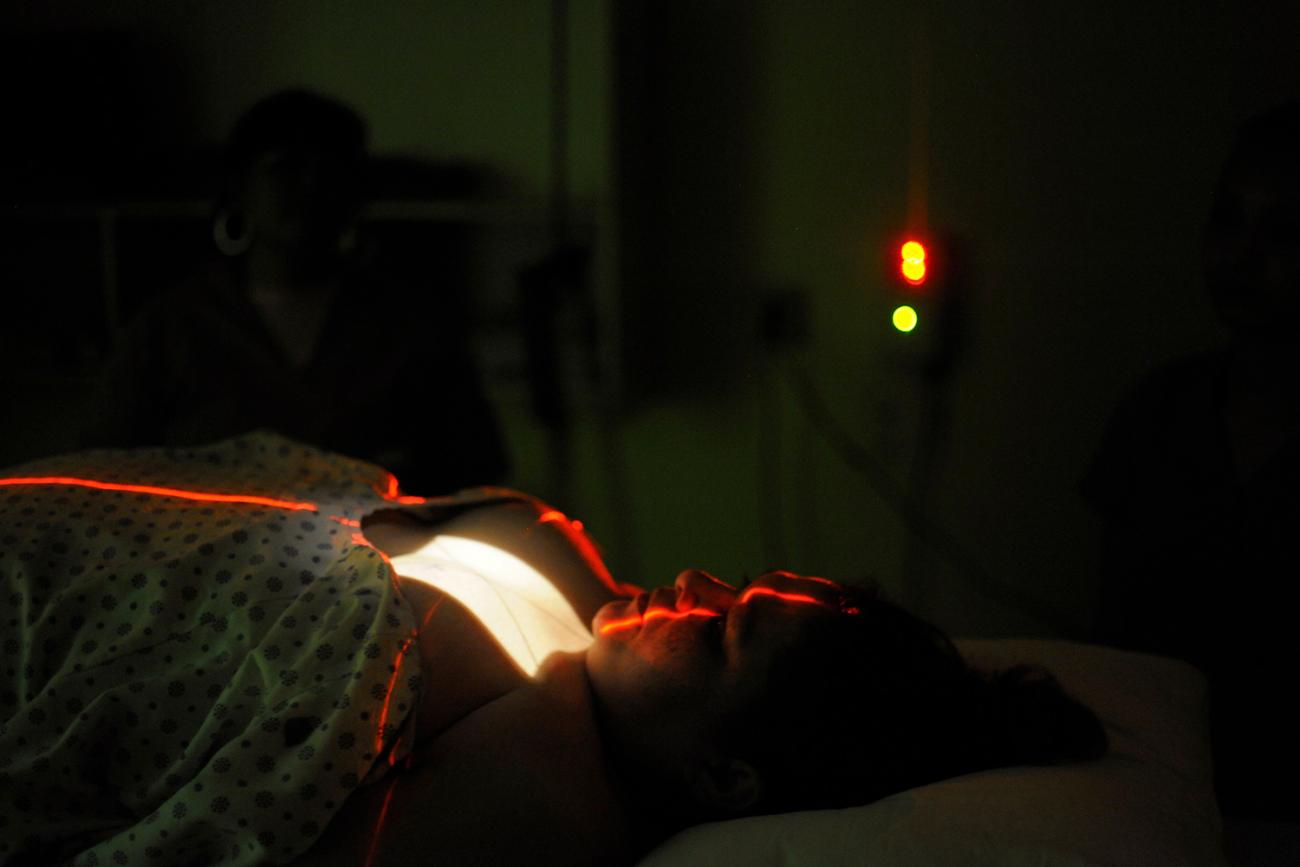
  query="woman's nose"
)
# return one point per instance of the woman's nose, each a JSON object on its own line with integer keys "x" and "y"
{"x": 697, "y": 588}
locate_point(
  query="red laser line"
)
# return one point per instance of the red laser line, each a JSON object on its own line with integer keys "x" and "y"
{"x": 383, "y": 712}
{"x": 177, "y": 493}
{"x": 669, "y": 614}
{"x": 798, "y": 598}
{"x": 656, "y": 614}
{"x": 392, "y": 492}
{"x": 379, "y": 824}
{"x": 573, "y": 531}
{"x": 828, "y": 582}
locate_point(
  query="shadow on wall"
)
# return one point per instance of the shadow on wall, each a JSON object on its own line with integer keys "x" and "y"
{"x": 685, "y": 128}
{"x": 102, "y": 234}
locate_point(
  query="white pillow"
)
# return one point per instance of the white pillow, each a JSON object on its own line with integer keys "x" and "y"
{"x": 1150, "y": 800}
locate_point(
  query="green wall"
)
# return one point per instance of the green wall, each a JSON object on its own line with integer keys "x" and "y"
{"x": 732, "y": 150}
{"x": 1073, "y": 149}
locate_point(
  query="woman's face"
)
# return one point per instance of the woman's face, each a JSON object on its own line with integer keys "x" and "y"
{"x": 299, "y": 197}
{"x": 669, "y": 666}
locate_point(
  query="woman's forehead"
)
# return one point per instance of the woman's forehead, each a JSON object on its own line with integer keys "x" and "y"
{"x": 783, "y": 576}
{"x": 796, "y": 589}
{"x": 777, "y": 608}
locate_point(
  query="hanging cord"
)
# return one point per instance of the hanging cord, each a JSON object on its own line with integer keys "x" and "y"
{"x": 928, "y": 446}
{"x": 770, "y": 506}
{"x": 915, "y": 521}
{"x": 564, "y": 280}
{"x": 559, "y": 123}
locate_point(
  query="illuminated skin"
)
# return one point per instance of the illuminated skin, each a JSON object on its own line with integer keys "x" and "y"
{"x": 542, "y": 522}
{"x": 668, "y": 667}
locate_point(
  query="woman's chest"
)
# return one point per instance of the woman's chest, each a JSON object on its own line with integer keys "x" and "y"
{"x": 462, "y": 667}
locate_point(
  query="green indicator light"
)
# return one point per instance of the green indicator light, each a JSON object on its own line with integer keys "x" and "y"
{"x": 904, "y": 318}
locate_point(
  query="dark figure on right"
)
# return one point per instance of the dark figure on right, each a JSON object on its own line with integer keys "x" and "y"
{"x": 1196, "y": 483}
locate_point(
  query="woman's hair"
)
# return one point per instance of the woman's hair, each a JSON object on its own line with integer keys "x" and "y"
{"x": 878, "y": 701}
{"x": 291, "y": 119}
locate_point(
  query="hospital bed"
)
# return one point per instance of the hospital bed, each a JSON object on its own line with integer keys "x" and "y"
{"x": 1148, "y": 801}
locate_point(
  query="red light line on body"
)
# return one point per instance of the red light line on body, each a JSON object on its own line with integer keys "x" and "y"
{"x": 614, "y": 625}
{"x": 670, "y": 614}
{"x": 573, "y": 531}
{"x": 379, "y": 825}
{"x": 656, "y": 614}
{"x": 275, "y": 503}
{"x": 429, "y": 614}
{"x": 392, "y": 492}
{"x": 798, "y": 598}
{"x": 388, "y": 698}
{"x": 177, "y": 493}
{"x": 792, "y": 576}
{"x": 749, "y": 592}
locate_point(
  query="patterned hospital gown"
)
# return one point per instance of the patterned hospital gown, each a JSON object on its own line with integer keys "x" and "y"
{"x": 194, "y": 682}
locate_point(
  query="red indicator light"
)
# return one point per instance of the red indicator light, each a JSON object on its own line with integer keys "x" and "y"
{"x": 912, "y": 262}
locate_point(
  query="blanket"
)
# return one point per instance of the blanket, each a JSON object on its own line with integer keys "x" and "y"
{"x": 201, "y": 657}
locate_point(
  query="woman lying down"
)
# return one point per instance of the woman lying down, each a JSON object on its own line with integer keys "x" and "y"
{"x": 260, "y": 653}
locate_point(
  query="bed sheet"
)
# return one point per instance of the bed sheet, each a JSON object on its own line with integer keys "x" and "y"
{"x": 193, "y": 681}
{"x": 1150, "y": 800}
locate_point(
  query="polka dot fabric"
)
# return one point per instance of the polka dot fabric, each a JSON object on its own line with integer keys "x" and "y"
{"x": 194, "y": 683}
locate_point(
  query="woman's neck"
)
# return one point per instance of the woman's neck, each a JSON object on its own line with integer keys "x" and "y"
{"x": 561, "y": 694}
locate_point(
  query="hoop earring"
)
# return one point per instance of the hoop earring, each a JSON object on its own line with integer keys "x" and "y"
{"x": 221, "y": 235}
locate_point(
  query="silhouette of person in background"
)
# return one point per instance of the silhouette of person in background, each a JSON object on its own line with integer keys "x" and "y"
{"x": 287, "y": 332}
{"x": 1196, "y": 482}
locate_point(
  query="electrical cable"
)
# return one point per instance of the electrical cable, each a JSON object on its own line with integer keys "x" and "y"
{"x": 915, "y": 521}
{"x": 770, "y": 505}
{"x": 603, "y": 380}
